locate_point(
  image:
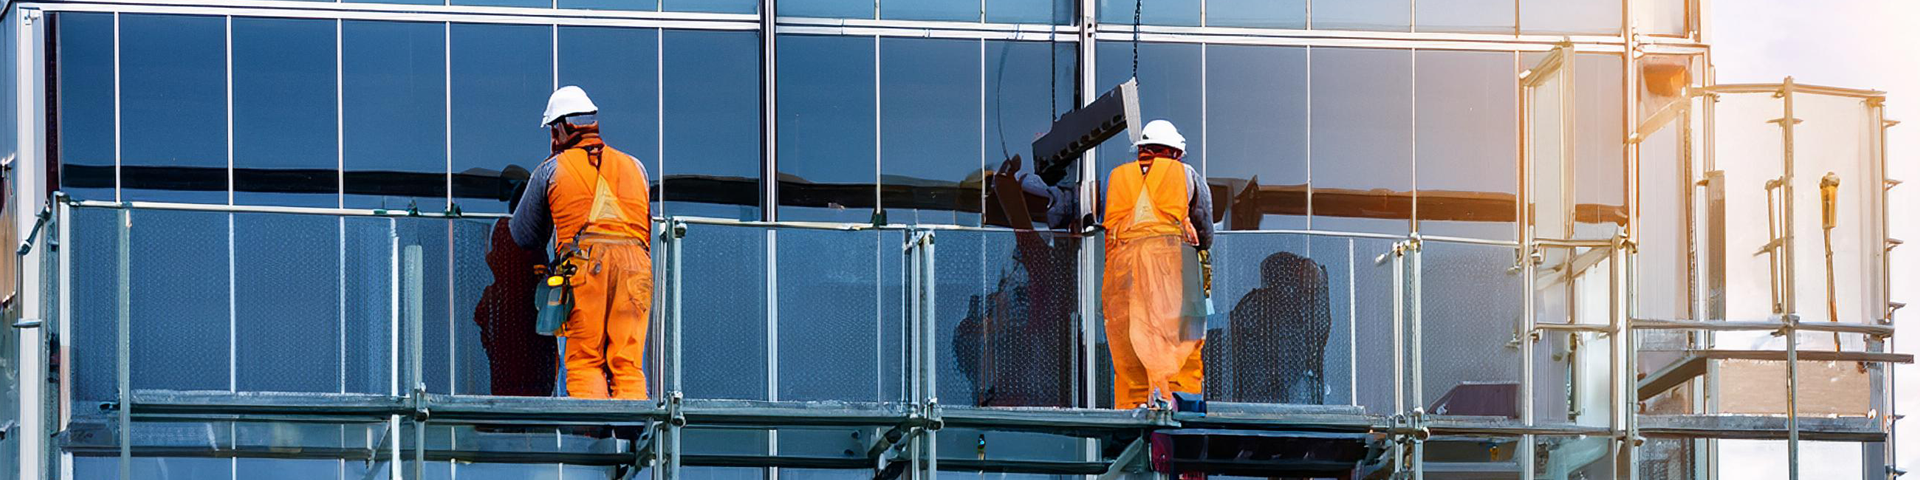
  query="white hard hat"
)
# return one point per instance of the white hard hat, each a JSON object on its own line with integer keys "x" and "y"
{"x": 568, "y": 100}
{"x": 1161, "y": 132}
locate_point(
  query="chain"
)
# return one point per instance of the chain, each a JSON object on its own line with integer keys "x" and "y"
{"x": 1136, "y": 37}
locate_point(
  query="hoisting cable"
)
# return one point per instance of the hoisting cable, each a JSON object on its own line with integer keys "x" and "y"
{"x": 1136, "y": 38}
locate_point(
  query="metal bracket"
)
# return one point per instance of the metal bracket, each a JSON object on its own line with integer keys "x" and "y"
{"x": 417, "y": 400}
{"x": 25, "y": 323}
{"x": 676, "y": 411}
{"x": 1130, "y": 460}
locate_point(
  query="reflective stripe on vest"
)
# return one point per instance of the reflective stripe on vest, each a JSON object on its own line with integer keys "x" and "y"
{"x": 1146, "y": 205}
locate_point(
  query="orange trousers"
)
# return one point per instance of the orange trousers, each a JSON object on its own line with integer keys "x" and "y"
{"x": 1141, "y": 296}
{"x": 607, "y": 330}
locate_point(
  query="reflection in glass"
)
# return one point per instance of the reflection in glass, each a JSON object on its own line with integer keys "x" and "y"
{"x": 84, "y": 68}
{"x": 1057, "y": 12}
{"x": 501, "y": 76}
{"x": 949, "y": 10}
{"x": 714, "y": 6}
{"x": 1464, "y": 16}
{"x": 840, "y": 315}
{"x": 827, "y": 9}
{"x": 1593, "y": 17}
{"x": 285, "y": 148}
{"x": 711, "y": 95}
{"x": 1362, "y": 140}
{"x": 1185, "y": 13}
{"x": 1007, "y": 308}
{"x": 724, "y": 313}
{"x": 1257, "y": 13}
{"x": 393, "y": 95}
{"x": 930, "y": 168}
{"x": 1662, "y": 17}
{"x": 1257, "y": 136}
{"x": 173, "y": 100}
{"x": 1470, "y": 302}
{"x": 828, "y": 162}
{"x": 1389, "y": 15}
{"x": 641, "y": 5}
{"x": 1465, "y": 123}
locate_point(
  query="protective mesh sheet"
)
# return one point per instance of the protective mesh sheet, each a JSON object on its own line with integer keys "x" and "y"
{"x": 1007, "y": 310}
{"x": 93, "y": 278}
{"x": 496, "y": 350}
{"x": 1471, "y": 302}
{"x": 180, "y": 294}
{"x": 723, "y": 289}
{"x": 835, "y": 316}
{"x": 1666, "y": 459}
{"x": 1267, "y": 341}
{"x": 1484, "y": 457}
{"x": 368, "y": 267}
{"x": 287, "y": 321}
{"x": 432, "y": 239}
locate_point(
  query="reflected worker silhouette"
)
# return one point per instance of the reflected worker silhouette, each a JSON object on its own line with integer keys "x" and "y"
{"x": 521, "y": 361}
{"x": 1279, "y": 334}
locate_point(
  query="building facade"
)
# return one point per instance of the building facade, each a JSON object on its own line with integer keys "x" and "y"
{"x": 1484, "y": 238}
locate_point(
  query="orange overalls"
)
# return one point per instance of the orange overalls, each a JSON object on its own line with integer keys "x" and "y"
{"x": 598, "y": 199}
{"x": 1141, "y": 290}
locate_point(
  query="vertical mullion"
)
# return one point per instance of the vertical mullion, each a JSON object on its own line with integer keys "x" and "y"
{"x": 116, "y": 108}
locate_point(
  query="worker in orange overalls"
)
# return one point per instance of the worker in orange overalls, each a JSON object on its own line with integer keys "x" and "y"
{"x": 1155, "y": 207}
{"x": 594, "y": 201}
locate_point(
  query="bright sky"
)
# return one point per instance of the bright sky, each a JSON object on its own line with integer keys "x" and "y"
{"x": 1849, "y": 43}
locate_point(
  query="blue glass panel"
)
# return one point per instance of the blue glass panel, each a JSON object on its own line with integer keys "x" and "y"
{"x": 501, "y": 76}
{"x": 642, "y": 5}
{"x": 1389, "y": 15}
{"x": 155, "y": 468}
{"x": 1467, "y": 320}
{"x": 1469, "y": 16}
{"x": 1169, "y": 90}
{"x": 715, "y": 6}
{"x": 930, "y": 115}
{"x": 179, "y": 300}
{"x": 1257, "y": 136}
{"x": 173, "y": 100}
{"x": 290, "y": 469}
{"x": 287, "y": 322}
{"x": 950, "y": 10}
{"x": 506, "y": 3}
{"x": 285, "y": 127}
{"x": 827, "y": 157}
{"x": 1257, "y": 13}
{"x": 1467, "y": 131}
{"x": 711, "y": 91}
{"x": 84, "y": 64}
{"x": 1150, "y": 12}
{"x": 393, "y": 79}
{"x": 618, "y": 68}
{"x": 369, "y": 254}
{"x": 1057, "y": 12}
{"x": 827, "y": 9}
{"x": 410, "y": 2}
{"x": 724, "y": 312}
{"x": 1362, "y": 138}
{"x": 1600, "y": 17}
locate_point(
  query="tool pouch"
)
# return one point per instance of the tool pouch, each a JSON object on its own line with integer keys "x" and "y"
{"x": 554, "y": 301}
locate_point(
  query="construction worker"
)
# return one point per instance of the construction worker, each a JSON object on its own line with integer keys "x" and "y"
{"x": 1155, "y": 207}
{"x": 592, "y": 200}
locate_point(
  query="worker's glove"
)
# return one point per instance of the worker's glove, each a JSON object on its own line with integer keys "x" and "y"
{"x": 1206, "y": 273}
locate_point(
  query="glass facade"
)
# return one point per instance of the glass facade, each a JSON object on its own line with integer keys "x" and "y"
{"x": 321, "y": 199}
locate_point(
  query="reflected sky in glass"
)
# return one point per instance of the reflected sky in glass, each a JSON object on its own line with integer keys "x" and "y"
{"x": 173, "y": 101}
{"x": 617, "y": 67}
{"x": 714, "y": 6}
{"x": 1257, "y": 130}
{"x": 1184, "y": 13}
{"x": 1467, "y": 16}
{"x": 1058, "y": 12}
{"x": 1362, "y": 132}
{"x": 393, "y": 79}
{"x": 284, "y": 115}
{"x": 502, "y": 75}
{"x": 711, "y": 94}
{"x": 1387, "y": 15}
{"x": 930, "y": 94}
{"x": 827, "y": 131}
{"x": 1570, "y": 16}
{"x": 1169, "y": 90}
{"x": 1257, "y": 13}
{"x": 948, "y": 10}
{"x": 84, "y": 63}
{"x": 827, "y": 8}
{"x": 1468, "y": 131}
